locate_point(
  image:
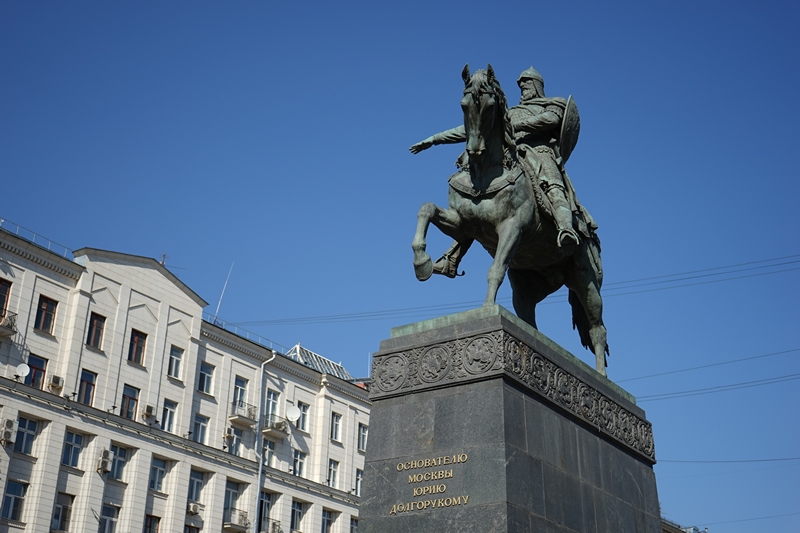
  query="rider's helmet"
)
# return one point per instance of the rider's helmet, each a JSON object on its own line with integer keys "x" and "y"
{"x": 532, "y": 74}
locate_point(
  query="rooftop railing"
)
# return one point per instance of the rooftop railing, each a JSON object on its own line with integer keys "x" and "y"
{"x": 249, "y": 335}
{"x": 34, "y": 238}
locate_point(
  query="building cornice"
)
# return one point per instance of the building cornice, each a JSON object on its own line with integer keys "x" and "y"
{"x": 231, "y": 343}
{"x": 40, "y": 256}
{"x": 92, "y": 414}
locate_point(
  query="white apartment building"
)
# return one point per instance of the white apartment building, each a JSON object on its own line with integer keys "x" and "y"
{"x": 123, "y": 410}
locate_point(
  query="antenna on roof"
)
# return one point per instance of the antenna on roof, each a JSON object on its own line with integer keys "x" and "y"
{"x": 163, "y": 259}
{"x": 223, "y": 293}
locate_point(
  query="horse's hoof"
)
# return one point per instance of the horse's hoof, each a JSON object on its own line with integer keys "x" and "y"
{"x": 423, "y": 266}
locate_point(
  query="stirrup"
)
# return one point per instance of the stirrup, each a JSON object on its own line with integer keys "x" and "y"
{"x": 567, "y": 232}
{"x": 446, "y": 266}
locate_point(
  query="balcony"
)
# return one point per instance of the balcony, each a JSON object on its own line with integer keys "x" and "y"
{"x": 8, "y": 323}
{"x": 270, "y": 526}
{"x": 243, "y": 414}
{"x": 235, "y": 520}
{"x": 275, "y": 426}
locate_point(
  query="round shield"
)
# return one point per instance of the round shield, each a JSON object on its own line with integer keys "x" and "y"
{"x": 570, "y": 129}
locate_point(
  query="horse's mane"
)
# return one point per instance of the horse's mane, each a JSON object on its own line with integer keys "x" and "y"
{"x": 481, "y": 81}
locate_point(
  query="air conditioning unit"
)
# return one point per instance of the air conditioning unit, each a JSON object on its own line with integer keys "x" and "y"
{"x": 149, "y": 411}
{"x": 9, "y": 431}
{"x": 104, "y": 463}
{"x": 55, "y": 382}
{"x": 193, "y": 508}
{"x": 229, "y": 433}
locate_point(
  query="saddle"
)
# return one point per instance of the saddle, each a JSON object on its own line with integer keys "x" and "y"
{"x": 461, "y": 181}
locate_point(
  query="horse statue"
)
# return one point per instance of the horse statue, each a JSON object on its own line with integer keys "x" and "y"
{"x": 492, "y": 200}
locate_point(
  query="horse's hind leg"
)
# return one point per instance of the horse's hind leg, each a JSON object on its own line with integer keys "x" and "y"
{"x": 528, "y": 289}
{"x": 587, "y": 308}
{"x": 446, "y": 220}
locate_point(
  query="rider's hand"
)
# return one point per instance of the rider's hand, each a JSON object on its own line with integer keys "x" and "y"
{"x": 422, "y": 145}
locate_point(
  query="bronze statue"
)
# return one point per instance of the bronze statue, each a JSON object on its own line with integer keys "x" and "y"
{"x": 513, "y": 195}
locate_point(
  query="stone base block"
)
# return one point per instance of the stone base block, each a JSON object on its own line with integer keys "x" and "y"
{"x": 481, "y": 423}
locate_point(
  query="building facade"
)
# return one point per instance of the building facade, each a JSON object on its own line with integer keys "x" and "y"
{"x": 123, "y": 410}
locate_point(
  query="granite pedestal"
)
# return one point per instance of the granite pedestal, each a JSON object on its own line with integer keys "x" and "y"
{"x": 480, "y": 423}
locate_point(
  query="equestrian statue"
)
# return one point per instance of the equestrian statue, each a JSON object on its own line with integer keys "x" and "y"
{"x": 512, "y": 194}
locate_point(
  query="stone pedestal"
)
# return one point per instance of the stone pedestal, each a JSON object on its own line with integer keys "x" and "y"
{"x": 480, "y": 423}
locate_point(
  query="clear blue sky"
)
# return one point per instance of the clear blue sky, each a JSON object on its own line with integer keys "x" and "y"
{"x": 275, "y": 137}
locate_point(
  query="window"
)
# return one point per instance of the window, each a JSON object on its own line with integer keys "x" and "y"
{"x": 327, "y": 521}
{"x": 130, "y": 399}
{"x": 168, "y": 415}
{"x": 353, "y": 525}
{"x": 118, "y": 464}
{"x": 231, "y": 495}
{"x": 62, "y": 512}
{"x": 97, "y": 324}
{"x": 14, "y": 500}
{"x": 73, "y": 444}
{"x": 296, "y": 517}
{"x": 269, "y": 452}
{"x": 108, "y": 519}
{"x": 206, "y": 376}
{"x": 299, "y": 460}
{"x": 158, "y": 469}
{"x": 26, "y": 434}
{"x": 35, "y": 377}
{"x": 190, "y": 529}
{"x": 174, "y": 367}
{"x": 200, "y": 428}
{"x": 5, "y": 292}
{"x": 362, "y": 437}
{"x": 45, "y": 314}
{"x": 136, "y": 347}
{"x": 151, "y": 523}
{"x": 333, "y": 472}
{"x": 264, "y": 507}
{"x": 239, "y": 391}
{"x": 235, "y": 441}
{"x": 196, "y": 482}
{"x": 86, "y": 390}
{"x": 336, "y": 421}
{"x": 302, "y": 422}
{"x": 359, "y": 481}
{"x": 272, "y": 406}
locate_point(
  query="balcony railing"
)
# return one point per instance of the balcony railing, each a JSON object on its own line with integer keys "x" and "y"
{"x": 243, "y": 413}
{"x": 235, "y": 519}
{"x": 269, "y": 526}
{"x": 8, "y": 323}
{"x": 275, "y": 425}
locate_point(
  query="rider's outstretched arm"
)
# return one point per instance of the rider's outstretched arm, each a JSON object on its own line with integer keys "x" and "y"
{"x": 451, "y": 136}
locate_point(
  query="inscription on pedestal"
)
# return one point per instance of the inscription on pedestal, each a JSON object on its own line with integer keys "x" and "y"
{"x": 435, "y": 470}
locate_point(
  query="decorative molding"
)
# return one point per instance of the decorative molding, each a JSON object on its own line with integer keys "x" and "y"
{"x": 230, "y": 344}
{"x": 39, "y": 260}
{"x": 498, "y": 353}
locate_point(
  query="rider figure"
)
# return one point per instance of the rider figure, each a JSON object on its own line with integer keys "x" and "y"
{"x": 537, "y": 123}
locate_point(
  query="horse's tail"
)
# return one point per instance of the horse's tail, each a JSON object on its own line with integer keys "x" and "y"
{"x": 580, "y": 321}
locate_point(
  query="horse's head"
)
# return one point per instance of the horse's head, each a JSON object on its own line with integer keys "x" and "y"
{"x": 485, "y": 106}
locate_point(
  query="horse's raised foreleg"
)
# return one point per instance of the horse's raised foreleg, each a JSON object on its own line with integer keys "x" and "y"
{"x": 446, "y": 220}
{"x": 508, "y": 237}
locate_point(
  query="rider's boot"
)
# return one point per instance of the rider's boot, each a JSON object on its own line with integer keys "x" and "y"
{"x": 567, "y": 236}
{"x": 447, "y": 265}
